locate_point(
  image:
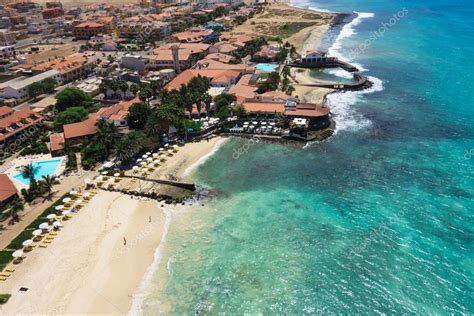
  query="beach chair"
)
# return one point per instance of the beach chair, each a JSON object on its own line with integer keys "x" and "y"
{"x": 5, "y": 274}
{"x": 10, "y": 269}
{"x": 3, "y": 278}
{"x": 53, "y": 233}
{"x": 43, "y": 245}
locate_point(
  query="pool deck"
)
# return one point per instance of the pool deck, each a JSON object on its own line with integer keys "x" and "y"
{"x": 11, "y": 168}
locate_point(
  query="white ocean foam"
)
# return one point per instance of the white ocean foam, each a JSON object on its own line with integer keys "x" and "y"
{"x": 204, "y": 158}
{"x": 348, "y": 30}
{"x": 320, "y": 10}
{"x": 341, "y": 104}
{"x": 143, "y": 290}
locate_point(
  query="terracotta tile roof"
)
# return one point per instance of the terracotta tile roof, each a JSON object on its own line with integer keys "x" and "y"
{"x": 89, "y": 24}
{"x": 5, "y": 110}
{"x": 80, "y": 129}
{"x": 187, "y": 75}
{"x": 63, "y": 65}
{"x": 315, "y": 111}
{"x": 7, "y": 188}
{"x": 193, "y": 47}
{"x": 88, "y": 127}
{"x": 223, "y": 58}
{"x": 264, "y": 107}
{"x": 207, "y": 63}
{"x": 12, "y": 124}
{"x": 243, "y": 90}
{"x": 56, "y": 141}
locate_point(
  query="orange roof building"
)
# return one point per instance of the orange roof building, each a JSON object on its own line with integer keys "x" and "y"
{"x": 217, "y": 78}
{"x": 116, "y": 113}
{"x": 86, "y": 30}
{"x": 17, "y": 122}
{"x": 7, "y": 188}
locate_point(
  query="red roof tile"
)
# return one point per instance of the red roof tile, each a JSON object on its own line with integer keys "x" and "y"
{"x": 7, "y": 188}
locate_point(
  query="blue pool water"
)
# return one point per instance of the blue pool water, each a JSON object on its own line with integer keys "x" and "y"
{"x": 45, "y": 168}
{"x": 266, "y": 67}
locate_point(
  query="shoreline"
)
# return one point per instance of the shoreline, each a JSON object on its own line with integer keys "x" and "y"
{"x": 88, "y": 268}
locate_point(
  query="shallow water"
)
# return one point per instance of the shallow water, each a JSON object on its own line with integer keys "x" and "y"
{"x": 376, "y": 220}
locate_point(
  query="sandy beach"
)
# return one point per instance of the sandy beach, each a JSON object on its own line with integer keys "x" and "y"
{"x": 88, "y": 268}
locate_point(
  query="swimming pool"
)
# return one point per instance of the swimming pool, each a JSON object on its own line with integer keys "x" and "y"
{"x": 44, "y": 168}
{"x": 266, "y": 67}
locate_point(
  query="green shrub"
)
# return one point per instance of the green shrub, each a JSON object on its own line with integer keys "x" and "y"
{"x": 4, "y": 298}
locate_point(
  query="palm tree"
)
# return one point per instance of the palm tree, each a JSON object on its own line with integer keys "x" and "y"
{"x": 107, "y": 135}
{"x": 207, "y": 99}
{"x": 130, "y": 145}
{"x": 29, "y": 171}
{"x": 48, "y": 183}
{"x": 16, "y": 205}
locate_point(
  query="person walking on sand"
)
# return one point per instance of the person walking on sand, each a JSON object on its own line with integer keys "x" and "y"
{"x": 124, "y": 241}
{"x": 149, "y": 219}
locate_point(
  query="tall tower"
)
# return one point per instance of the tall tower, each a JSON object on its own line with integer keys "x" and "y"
{"x": 174, "y": 50}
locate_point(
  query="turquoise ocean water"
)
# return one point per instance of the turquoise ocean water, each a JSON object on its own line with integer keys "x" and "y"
{"x": 379, "y": 219}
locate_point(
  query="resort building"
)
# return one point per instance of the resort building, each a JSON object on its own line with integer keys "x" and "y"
{"x": 7, "y": 51}
{"x": 315, "y": 57}
{"x": 86, "y": 30}
{"x": 56, "y": 142}
{"x": 192, "y": 37}
{"x": 76, "y": 132}
{"x": 16, "y": 125}
{"x": 8, "y": 190}
{"x": 135, "y": 62}
{"x": 70, "y": 68}
{"x": 163, "y": 56}
{"x": 217, "y": 78}
{"x": 18, "y": 88}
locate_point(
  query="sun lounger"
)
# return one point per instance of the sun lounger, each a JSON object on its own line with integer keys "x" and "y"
{"x": 3, "y": 279}
{"x": 43, "y": 245}
{"x": 5, "y": 274}
{"x": 10, "y": 269}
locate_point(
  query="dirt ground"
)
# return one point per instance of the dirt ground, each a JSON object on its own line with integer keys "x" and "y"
{"x": 50, "y": 52}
